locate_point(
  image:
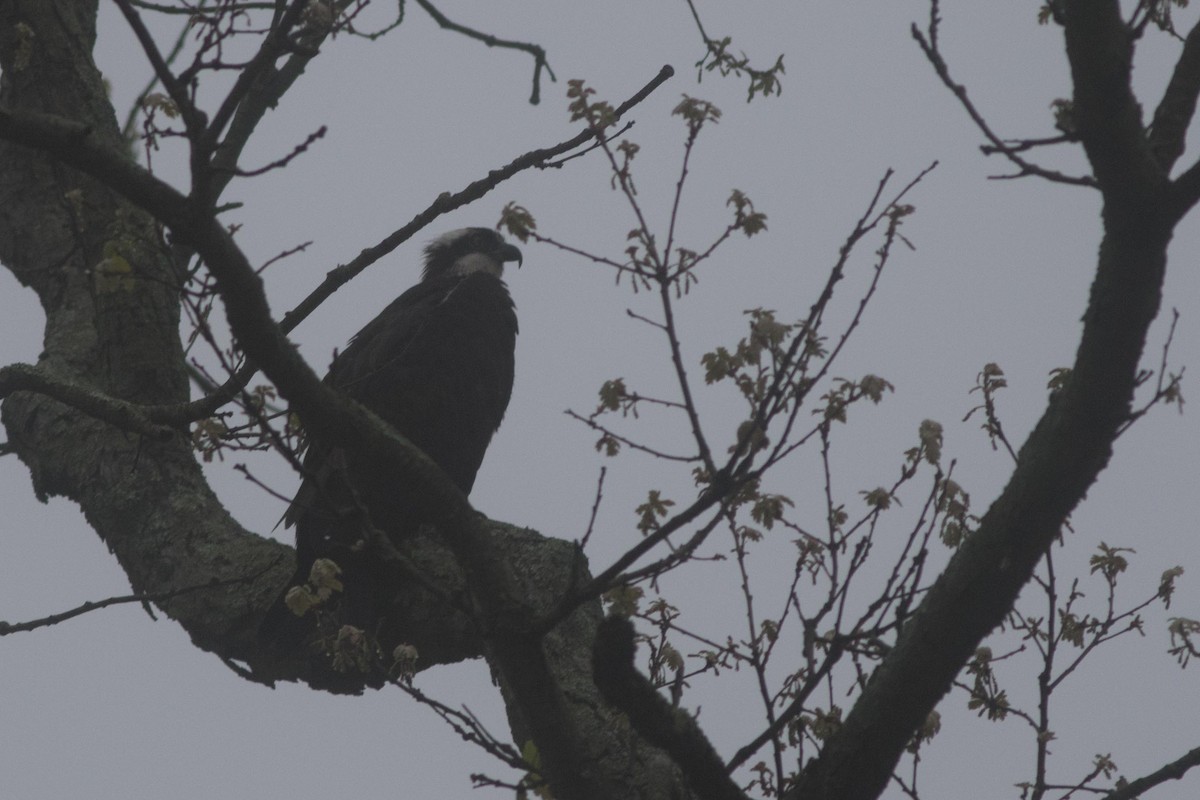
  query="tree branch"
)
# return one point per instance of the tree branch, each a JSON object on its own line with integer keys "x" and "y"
{"x": 1178, "y": 105}
{"x": 539, "y": 55}
{"x": 126, "y": 416}
{"x": 446, "y": 203}
{"x": 653, "y": 717}
{"x": 248, "y": 81}
{"x": 929, "y": 46}
{"x": 1171, "y": 772}
{"x": 193, "y": 118}
{"x": 793, "y": 709}
{"x": 7, "y": 628}
{"x": 1068, "y": 448}
{"x": 1106, "y": 114}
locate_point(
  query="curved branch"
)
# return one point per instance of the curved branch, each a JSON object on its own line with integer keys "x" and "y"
{"x": 653, "y": 717}
{"x": 539, "y": 54}
{"x": 1171, "y": 772}
{"x": 125, "y": 415}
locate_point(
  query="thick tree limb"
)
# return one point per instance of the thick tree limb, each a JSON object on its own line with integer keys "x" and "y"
{"x": 653, "y": 717}
{"x": 1106, "y": 114}
{"x": 1068, "y": 448}
{"x": 145, "y": 496}
{"x": 1177, "y": 107}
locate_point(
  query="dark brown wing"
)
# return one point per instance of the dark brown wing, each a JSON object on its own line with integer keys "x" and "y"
{"x": 437, "y": 365}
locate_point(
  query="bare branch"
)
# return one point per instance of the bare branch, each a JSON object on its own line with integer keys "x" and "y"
{"x": 596, "y": 426}
{"x": 587, "y": 535}
{"x": 792, "y": 711}
{"x": 539, "y": 55}
{"x": 249, "y": 77}
{"x": 7, "y": 628}
{"x": 127, "y": 130}
{"x": 183, "y": 9}
{"x": 1022, "y": 145}
{"x": 998, "y": 145}
{"x": 279, "y": 163}
{"x": 602, "y": 582}
{"x": 192, "y": 117}
{"x": 467, "y": 726}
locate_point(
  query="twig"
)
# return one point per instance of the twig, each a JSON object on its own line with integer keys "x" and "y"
{"x": 176, "y": 49}
{"x": 1161, "y": 391}
{"x": 181, "y": 9}
{"x": 594, "y": 146}
{"x": 596, "y": 426}
{"x": 467, "y": 726}
{"x": 192, "y": 117}
{"x": 595, "y": 508}
{"x": 1021, "y": 145}
{"x": 539, "y": 55}
{"x": 248, "y": 475}
{"x": 677, "y": 556}
{"x": 789, "y": 713}
{"x": 285, "y": 160}
{"x": 53, "y": 619}
{"x": 930, "y": 48}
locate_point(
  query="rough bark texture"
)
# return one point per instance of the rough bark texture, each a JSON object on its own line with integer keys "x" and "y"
{"x": 60, "y": 218}
{"x": 121, "y": 339}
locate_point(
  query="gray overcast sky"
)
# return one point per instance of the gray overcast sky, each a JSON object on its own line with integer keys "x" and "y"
{"x": 115, "y": 705}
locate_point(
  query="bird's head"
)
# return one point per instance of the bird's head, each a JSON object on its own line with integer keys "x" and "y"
{"x": 468, "y": 250}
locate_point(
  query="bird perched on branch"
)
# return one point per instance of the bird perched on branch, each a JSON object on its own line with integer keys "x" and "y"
{"x": 437, "y": 365}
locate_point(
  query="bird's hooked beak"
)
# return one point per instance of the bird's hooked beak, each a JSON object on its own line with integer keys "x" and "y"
{"x": 507, "y": 252}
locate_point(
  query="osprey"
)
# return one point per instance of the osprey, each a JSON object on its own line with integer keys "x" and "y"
{"x": 437, "y": 365}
